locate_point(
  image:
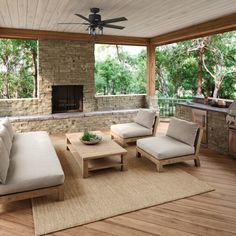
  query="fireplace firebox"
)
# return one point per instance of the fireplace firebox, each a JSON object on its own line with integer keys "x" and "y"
{"x": 67, "y": 98}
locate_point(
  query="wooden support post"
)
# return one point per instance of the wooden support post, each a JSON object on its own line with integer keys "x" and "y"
{"x": 150, "y": 77}
{"x": 151, "y": 70}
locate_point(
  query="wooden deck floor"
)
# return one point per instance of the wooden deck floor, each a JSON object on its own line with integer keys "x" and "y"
{"x": 212, "y": 213}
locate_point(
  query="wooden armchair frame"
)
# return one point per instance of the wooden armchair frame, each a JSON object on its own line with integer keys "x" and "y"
{"x": 161, "y": 162}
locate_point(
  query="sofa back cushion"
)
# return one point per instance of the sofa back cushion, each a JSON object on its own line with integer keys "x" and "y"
{"x": 4, "y": 162}
{"x": 6, "y": 122}
{"x": 183, "y": 131}
{"x": 146, "y": 118}
{"x": 5, "y": 138}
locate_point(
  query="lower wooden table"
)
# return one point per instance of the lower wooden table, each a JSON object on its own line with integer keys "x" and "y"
{"x": 105, "y": 154}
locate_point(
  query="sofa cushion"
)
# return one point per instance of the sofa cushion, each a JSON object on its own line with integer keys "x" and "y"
{"x": 4, "y": 162}
{"x": 6, "y": 138}
{"x": 130, "y": 130}
{"x": 34, "y": 164}
{"x": 183, "y": 131}
{"x": 6, "y": 122}
{"x": 146, "y": 118}
{"x": 164, "y": 147}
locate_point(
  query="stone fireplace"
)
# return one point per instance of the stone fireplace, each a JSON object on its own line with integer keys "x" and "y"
{"x": 67, "y": 98}
{"x": 65, "y": 68}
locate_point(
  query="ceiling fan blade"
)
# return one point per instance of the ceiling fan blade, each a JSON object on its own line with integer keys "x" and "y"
{"x": 114, "y": 26}
{"x": 68, "y": 23}
{"x": 113, "y": 20}
{"x": 83, "y": 17}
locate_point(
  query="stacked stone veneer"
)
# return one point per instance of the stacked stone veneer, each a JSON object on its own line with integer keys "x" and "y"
{"x": 63, "y": 62}
{"x": 184, "y": 113}
{"x": 217, "y": 129}
{"x": 63, "y": 123}
{"x": 108, "y": 103}
{"x": 19, "y": 107}
{"x": 218, "y": 134}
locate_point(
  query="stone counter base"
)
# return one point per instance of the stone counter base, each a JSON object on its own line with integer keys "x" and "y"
{"x": 72, "y": 122}
{"x": 216, "y": 127}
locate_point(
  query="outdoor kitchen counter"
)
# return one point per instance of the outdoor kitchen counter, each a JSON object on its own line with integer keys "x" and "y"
{"x": 211, "y": 119}
{"x": 203, "y": 107}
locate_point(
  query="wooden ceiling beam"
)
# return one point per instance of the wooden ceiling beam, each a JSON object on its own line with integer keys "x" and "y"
{"x": 13, "y": 33}
{"x": 219, "y": 25}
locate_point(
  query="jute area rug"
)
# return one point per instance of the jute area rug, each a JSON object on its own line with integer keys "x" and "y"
{"x": 110, "y": 192}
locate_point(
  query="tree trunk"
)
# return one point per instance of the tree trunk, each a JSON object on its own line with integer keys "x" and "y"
{"x": 35, "y": 74}
{"x": 199, "y": 73}
{"x": 6, "y": 82}
{"x": 118, "y": 52}
{"x": 217, "y": 89}
{"x": 216, "y": 92}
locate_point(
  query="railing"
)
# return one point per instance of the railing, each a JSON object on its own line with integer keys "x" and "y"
{"x": 167, "y": 106}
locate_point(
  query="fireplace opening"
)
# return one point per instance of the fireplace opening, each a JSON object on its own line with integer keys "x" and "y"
{"x": 67, "y": 98}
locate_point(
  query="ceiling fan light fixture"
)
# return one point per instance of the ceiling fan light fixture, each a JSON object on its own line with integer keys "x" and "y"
{"x": 93, "y": 30}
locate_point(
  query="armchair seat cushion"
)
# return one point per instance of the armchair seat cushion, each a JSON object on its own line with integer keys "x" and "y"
{"x": 164, "y": 147}
{"x": 130, "y": 130}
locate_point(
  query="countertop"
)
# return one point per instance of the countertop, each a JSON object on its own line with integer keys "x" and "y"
{"x": 203, "y": 107}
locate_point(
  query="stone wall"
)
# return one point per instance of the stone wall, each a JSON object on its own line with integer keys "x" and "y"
{"x": 216, "y": 128}
{"x": 184, "y": 113}
{"x": 108, "y": 103}
{"x": 19, "y": 107}
{"x": 218, "y": 134}
{"x": 63, "y": 123}
{"x": 63, "y": 62}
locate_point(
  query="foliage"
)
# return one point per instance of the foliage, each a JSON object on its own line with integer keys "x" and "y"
{"x": 120, "y": 73}
{"x": 202, "y": 66}
{"x": 17, "y": 70}
{"x": 88, "y": 136}
{"x": 199, "y": 66}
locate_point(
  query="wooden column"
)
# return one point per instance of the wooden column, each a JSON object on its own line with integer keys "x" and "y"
{"x": 150, "y": 76}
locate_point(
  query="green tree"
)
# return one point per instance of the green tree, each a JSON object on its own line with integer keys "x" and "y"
{"x": 18, "y": 68}
{"x": 221, "y": 55}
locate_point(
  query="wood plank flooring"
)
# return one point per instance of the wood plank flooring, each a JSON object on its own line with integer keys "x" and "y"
{"x": 210, "y": 214}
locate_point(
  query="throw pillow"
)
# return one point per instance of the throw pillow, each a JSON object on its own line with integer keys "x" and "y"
{"x": 146, "y": 118}
{"x": 6, "y": 122}
{"x": 4, "y": 160}
{"x": 6, "y": 138}
{"x": 183, "y": 131}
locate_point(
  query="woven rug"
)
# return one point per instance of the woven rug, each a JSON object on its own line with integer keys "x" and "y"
{"x": 110, "y": 192}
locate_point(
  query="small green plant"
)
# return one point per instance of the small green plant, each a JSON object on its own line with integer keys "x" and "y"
{"x": 88, "y": 136}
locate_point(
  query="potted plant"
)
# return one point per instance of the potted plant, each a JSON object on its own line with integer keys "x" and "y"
{"x": 90, "y": 138}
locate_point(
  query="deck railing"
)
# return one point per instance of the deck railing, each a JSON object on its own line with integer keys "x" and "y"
{"x": 167, "y": 106}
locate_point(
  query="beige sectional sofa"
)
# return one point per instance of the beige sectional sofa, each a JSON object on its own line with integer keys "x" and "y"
{"x": 34, "y": 168}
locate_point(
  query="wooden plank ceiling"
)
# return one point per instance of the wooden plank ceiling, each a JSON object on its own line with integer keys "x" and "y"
{"x": 146, "y": 18}
{"x": 157, "y": 22}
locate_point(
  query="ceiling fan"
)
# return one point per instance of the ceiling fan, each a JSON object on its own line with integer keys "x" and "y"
{"x": 96, "y": 24}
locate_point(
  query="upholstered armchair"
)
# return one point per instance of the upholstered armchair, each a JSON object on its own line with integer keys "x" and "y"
{"x": 144, "y": 125}
{"x": 181, "y": 143}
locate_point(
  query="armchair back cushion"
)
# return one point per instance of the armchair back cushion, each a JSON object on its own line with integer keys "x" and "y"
{"x": 4, "y": 162}
{"x": 6, "y": 122}
{"x": 5, "y": 138}
{"x": 146, "y": 118}
{"x": 183, "y": 131}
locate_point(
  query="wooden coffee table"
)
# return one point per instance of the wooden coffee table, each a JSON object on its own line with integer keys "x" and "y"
{"x": 105, "y": 154}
